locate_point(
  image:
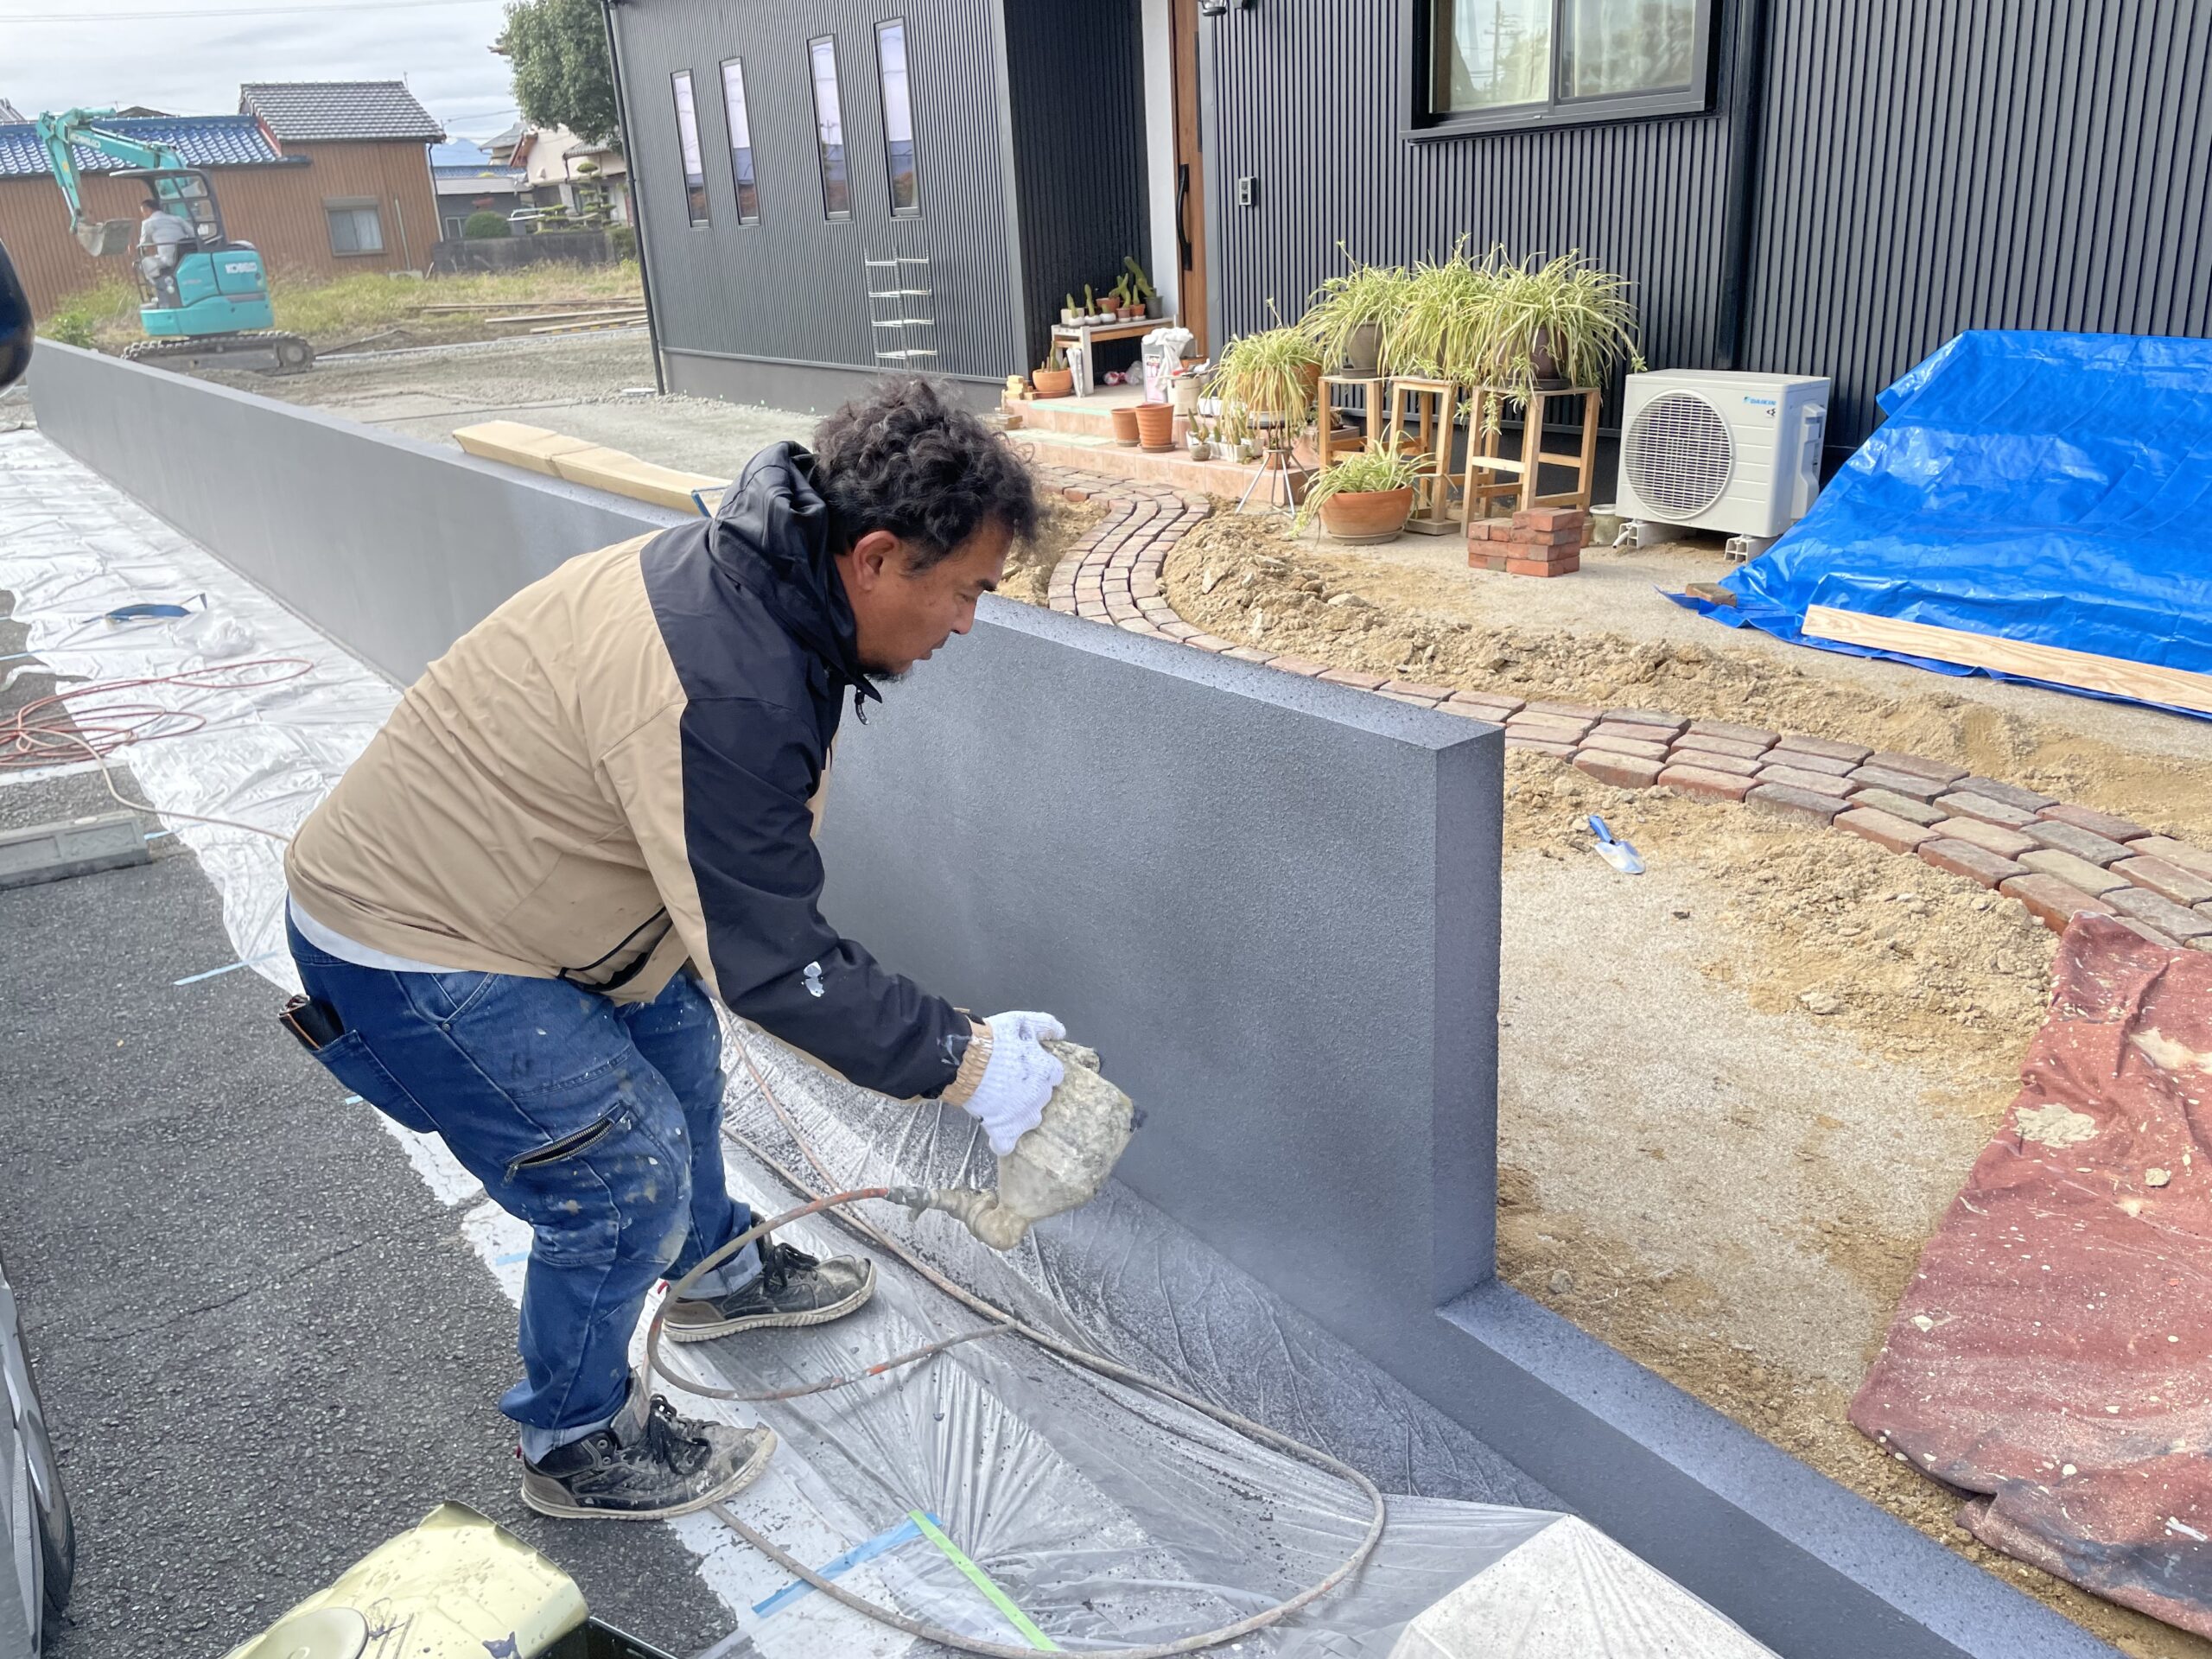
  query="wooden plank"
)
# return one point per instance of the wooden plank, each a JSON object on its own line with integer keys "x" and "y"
{"x": 624, "y": 473}
{"x": 525, "y": 305}
{"x": 517, "y": 444}
{"x": 586, "y": 328}
{"x": 566, "y": 316}
{"x": 2178, "y": 688}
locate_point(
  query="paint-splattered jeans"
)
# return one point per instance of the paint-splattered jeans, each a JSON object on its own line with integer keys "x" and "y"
{"x": 597, "y": 1122}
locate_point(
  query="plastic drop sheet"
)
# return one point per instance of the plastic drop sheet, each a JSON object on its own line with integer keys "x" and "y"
{"x": 1105, "y": 1514}
{"x": 2054, "y": 488}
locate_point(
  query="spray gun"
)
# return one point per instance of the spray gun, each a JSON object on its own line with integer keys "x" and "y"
{"x": 1057, "y": 1166}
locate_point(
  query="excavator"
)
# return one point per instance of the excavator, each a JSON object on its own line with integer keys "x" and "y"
{"x": 211, "y": 309}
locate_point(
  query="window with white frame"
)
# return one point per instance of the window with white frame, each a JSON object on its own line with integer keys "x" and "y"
{"x": 355, "y": 225}
{"x": 1516, "y": 63}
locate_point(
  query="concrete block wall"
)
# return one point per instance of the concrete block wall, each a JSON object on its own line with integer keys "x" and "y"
{"x": 1272, "y": 904}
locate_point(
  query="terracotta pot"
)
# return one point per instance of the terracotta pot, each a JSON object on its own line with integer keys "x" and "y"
{"x": 1125, "y": 423}
{"x": 1311, "y": 373}
{"x": 1053, "y": 383}
{"x": 1156, "y": 426}
{"x": 1367, "y": 515}
{"x": 1134, "y": 312}
{"x": 1112, "y": 308}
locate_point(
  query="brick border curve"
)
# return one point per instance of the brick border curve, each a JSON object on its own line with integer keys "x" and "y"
{"x": 2059, "y": 861}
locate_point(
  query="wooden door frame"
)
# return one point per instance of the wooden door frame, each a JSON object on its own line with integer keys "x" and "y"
{"x": 1194, "y": 301}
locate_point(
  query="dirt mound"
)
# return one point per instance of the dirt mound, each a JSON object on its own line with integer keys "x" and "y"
{"x": 1244, "y": 579}
{"x": 1062, "y": 523}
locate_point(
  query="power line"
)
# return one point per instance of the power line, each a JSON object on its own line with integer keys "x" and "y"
{"x": 232, "y": 11}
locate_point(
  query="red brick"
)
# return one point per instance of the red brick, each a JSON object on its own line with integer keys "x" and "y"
{"x": 2096, "y": 823}
{"x": 2074, "y": 872}
{"x": 1704, "y": 743}
{"x": 1490, "y": 700}
{"x": 1733, "y": 732}
{"x": 1558, "y": 539}
{"x": 1918, "y": 765}
{"x": 1818, "y": 783}
{"x": 1478, "y": 529}
{"x": 1352, "y": 677}
{"x": 2083, "y": 844}
{"x": 1140, "y": 625}
{"x": 1964, "y": 803}
{"x": 1542, "y": 567}
{"x": 1400, "y": 696}
{"x": 2010, "y": 794}
{"x": 2150, "y": 933}
{"x": 2176, "y": 922}
{"x": 1564, "y": 751}
{"x": 1913, "y": 785}
{"x": 1212, "y": 642}
{"x": 1735, "y": 766}
{"x": 2167, "y": 881}
{"x": 1608, "y": 743}
{"x": 1609, "y": 727}
{"x": 2051, "y": 901}
{"x": 1898, "y": 806}
{"x": 1698, "y": 780}
{"x": 1548, "y": 731}
{"x": 1299, "y": 666}
{"x": 1826, "y": 765}
{"x": 1467, "y": 710}
{"x": 1623, "y": 771}
{"x": 1563, "y": 709}
{"x": 1414, "y": 689}
{"x": 1964, "y": 858}
{"x": 1884, "y": 828}
{"x": 2195, "y": 860}
{"x": 1073, "y": 494}
{"x": 1826, "y": 748}
{"x": 1250, "y": 654}
{"x": 1495, "y": 562}
{"x": 1798, "y": 805}
{"x": 1548, "y": 518}
{"x": 1647, "y": 717}
{"x": 1180, "y": 630}
{"x": 2005, "y": 843}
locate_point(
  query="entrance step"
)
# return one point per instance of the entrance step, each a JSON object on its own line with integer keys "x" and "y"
{"x": 1175, "y": 468}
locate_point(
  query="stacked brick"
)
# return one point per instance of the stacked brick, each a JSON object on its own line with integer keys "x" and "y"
{"x": 2055, "y": 859}
{"x": 1540, "y": 541}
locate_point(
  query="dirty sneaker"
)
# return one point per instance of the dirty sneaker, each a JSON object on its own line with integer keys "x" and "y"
{"x": 792, "y": 1288}
{"x": 647, "y": 1464}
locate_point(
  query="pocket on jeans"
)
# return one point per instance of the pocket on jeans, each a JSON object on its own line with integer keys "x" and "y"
{"x": 566, "y": 1146}
{"x": 348, "y": 1059}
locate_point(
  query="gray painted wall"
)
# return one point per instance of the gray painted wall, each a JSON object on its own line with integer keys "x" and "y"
{"x": 1271, "y": 904}
{"x": 393, "y": 547}
{"x": 792, "y": 288}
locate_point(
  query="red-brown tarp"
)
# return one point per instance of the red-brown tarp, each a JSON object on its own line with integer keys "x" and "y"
{"x": 2054, "y": 1352}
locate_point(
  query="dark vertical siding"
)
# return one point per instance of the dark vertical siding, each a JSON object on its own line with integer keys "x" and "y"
{"x": 1078, "y": 79}
{"x": 1931, "y": 166}
{"x": 792, "y": 288}
{"x": 1307, "y": 102}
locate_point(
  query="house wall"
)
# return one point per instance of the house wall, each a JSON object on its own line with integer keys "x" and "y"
{"x": 1919, "y": 170}
{"x": 790, "y": 292}
{"x": 276, "y": 207}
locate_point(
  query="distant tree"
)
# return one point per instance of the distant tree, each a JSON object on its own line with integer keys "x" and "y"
{"x": 485, "y": 224}
{"x": 557, "y": 50}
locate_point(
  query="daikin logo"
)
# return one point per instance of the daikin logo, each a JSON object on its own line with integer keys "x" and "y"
{"x": 1765, "y": 406}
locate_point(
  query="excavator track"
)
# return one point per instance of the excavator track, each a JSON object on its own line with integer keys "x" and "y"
{"x": 269, "y": 351}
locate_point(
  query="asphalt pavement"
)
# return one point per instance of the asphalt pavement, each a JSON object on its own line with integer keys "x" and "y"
{"x": 264, "y": 1346}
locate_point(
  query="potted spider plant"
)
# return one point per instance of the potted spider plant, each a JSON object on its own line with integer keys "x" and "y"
{"x": 1052, "y": 378}
{"x": 1442, "y": 327}
{"x": 1348, "y": 315}
{"x": 1563, "y": 323}
{"x": 1363, "y": 498}
{"x": 1275, "y": 372}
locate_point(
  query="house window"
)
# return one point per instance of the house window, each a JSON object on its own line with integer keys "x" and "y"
{"x": 355, "y": 227}
{"x": 1491, "y": 64}
{"x": 830, "y": 129}
{"x": 687, "y": 138}
{"x": 740, "y": 142}
{"x": 898, "y": 117}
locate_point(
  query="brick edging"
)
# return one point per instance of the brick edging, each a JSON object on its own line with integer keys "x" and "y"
{"x": 2057, "y": 860}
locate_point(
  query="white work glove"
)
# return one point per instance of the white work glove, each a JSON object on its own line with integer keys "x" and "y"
{"x": 1019, "y": 1079}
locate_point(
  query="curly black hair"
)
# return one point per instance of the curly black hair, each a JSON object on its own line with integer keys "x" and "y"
{"x": 903, "y": 460}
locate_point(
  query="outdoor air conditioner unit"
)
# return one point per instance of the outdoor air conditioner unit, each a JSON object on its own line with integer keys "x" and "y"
{"x": 1712, "y": 449}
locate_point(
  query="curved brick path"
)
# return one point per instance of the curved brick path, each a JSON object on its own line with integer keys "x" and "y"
{"x": 2057, "y": 859}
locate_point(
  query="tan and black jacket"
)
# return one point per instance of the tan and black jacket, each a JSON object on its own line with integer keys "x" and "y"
{"x": 614, "y": 773}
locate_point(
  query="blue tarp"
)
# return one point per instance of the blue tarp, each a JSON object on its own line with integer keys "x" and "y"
{"x": 2049, "y": 487}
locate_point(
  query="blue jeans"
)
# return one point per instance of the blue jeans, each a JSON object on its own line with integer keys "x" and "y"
{"x": 597, "y": 1122}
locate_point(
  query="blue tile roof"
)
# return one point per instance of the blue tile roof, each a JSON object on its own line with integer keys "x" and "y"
{"x": 202, "y": 140}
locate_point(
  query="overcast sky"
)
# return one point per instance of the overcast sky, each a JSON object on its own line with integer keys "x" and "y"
{"x": 188, "y": 56}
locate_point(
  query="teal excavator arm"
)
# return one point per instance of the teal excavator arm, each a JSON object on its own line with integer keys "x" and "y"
{"x": 62, "y": 134}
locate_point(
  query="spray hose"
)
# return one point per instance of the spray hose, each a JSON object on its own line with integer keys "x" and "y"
{"x": 837, "y": 1207}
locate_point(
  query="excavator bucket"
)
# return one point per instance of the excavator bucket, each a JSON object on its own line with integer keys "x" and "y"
{"x": 103, "y": 236}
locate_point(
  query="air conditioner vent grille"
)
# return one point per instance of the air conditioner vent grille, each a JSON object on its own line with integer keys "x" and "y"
{"x": 1679, "y": 454}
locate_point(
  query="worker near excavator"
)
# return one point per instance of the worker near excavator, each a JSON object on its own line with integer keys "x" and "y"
{"x": 162, "y": 238}
{"x": 587, "y": 823}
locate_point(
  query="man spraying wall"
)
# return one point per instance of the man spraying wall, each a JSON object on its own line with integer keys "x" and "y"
{"x": 592, "y": 818}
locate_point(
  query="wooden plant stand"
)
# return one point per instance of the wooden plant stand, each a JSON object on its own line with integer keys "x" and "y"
{"x": 1511, "y": 478}
{"x": 1374, "y": 391}
{"x": 1432, "y": 404}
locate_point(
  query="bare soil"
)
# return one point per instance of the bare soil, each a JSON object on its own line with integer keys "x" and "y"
{"x": 1696, "y": 1165}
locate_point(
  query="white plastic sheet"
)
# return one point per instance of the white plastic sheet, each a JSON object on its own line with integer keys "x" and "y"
{"x": 1109, "y": 1515}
